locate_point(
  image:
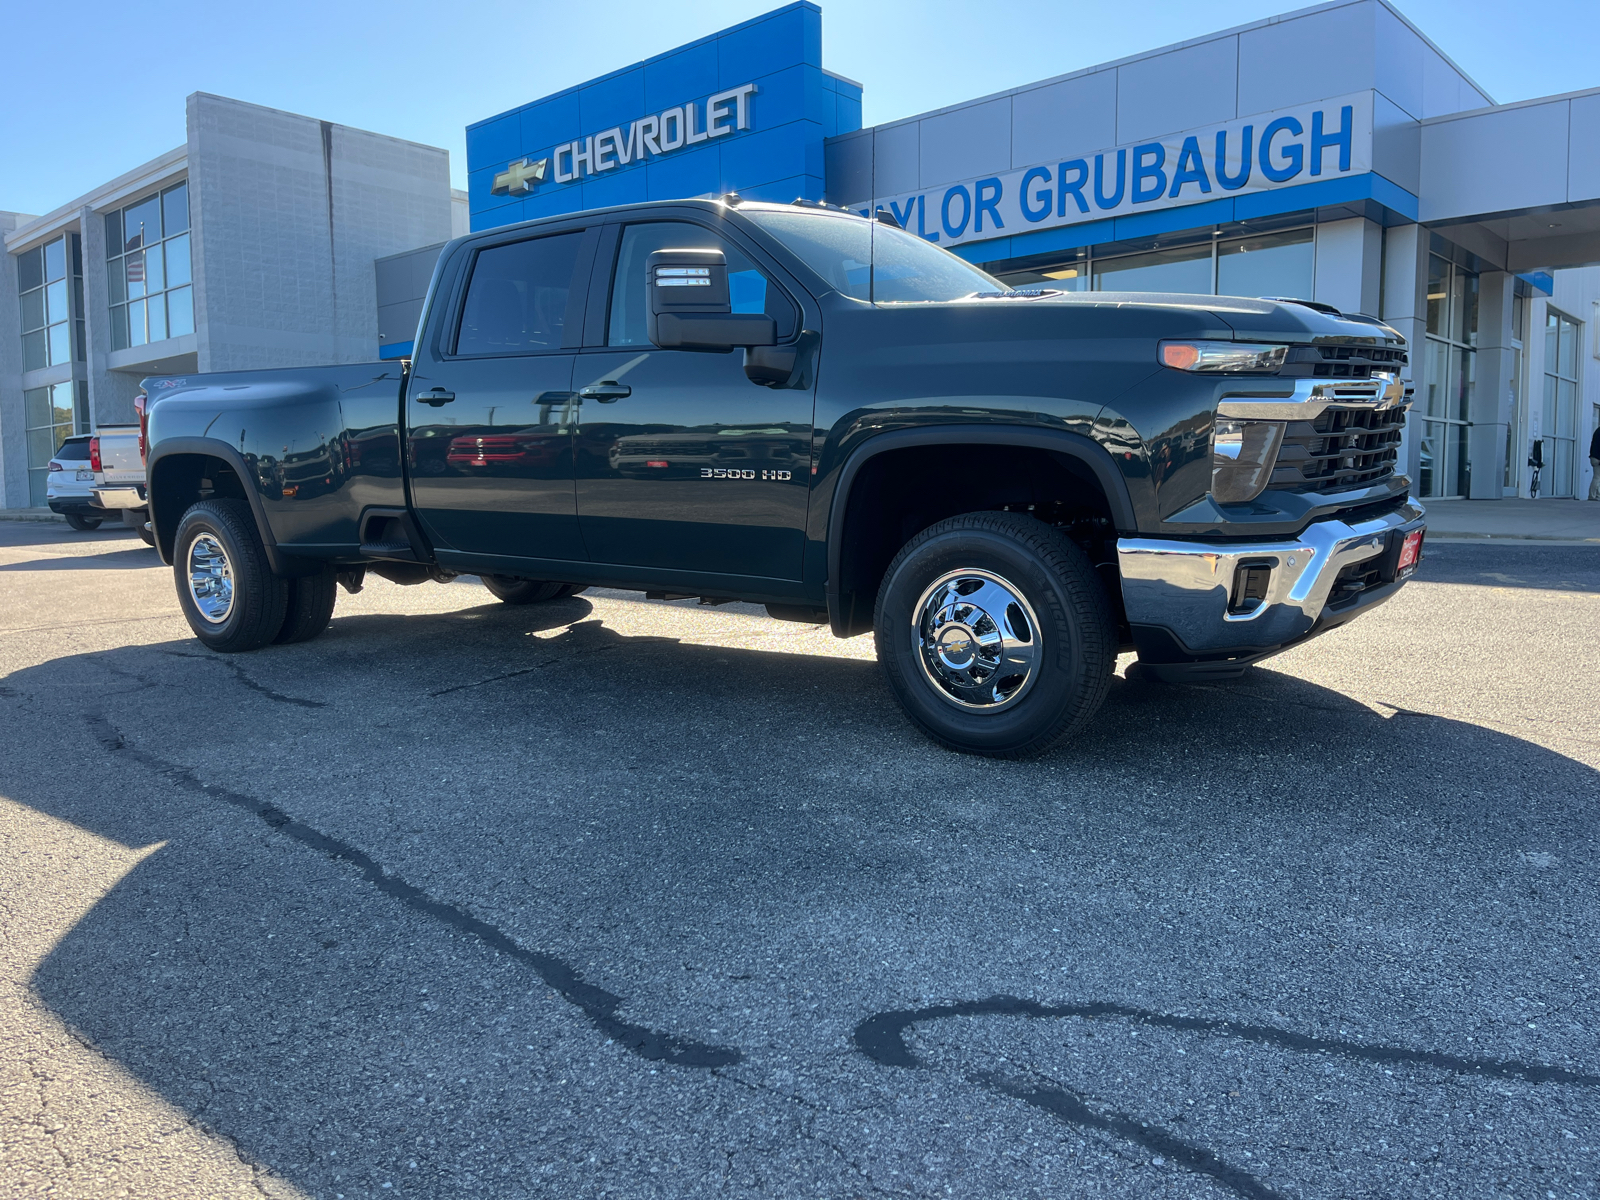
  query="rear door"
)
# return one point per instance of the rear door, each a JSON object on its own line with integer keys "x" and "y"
{"x": 489, "y": 409}
{"x": 683, "y": 463}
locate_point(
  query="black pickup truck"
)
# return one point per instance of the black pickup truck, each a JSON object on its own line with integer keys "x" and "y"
{"x": 801, "y": 407}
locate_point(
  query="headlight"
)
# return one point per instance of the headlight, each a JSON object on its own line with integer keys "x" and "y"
{"x": 1223, "y": 358}
{"x": 1243, "y": 454}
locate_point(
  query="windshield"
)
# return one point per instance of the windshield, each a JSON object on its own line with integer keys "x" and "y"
{"x": 869, "y": 260}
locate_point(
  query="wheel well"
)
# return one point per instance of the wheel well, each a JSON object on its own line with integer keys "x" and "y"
{"x": 899, "y": 493}
{"x": 180, "y": 480}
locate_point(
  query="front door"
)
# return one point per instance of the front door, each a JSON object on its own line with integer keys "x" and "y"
{"x": 490, "y": 414}
{"x": 682, "y": 462}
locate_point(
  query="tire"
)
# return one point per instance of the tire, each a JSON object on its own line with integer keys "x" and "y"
{"x": 981, "y": 574}
{"x": 511, "y": 590}
{"x": 310, "y": 606}
{"x": 81, "y": 523}
{"x": 136, "y": 519}
{"x": 227, "y": 592}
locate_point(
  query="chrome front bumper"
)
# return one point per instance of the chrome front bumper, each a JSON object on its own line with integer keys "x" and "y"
{"x": 1184, "y": 588}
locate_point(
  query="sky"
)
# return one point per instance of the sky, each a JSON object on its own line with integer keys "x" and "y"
{"x": 104, "y": 91}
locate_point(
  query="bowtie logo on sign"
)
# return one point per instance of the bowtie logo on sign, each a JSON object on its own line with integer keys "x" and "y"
{"x": 519, "y": 178}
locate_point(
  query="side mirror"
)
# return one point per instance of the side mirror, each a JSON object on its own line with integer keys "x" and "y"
{"x": 689, "y": 307}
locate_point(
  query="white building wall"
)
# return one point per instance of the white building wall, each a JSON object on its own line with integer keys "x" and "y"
{"x": 289, "y": 214}
{"x": 1301, "y": 57}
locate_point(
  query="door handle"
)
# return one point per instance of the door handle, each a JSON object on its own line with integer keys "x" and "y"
{"x": 435, "y": 397}
{"x": 606, "y": 392}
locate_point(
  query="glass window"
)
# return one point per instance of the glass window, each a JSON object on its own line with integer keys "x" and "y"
{"x": 177, "y": 259}
{"x": 141, "y": 224}
{"x": 33, "y": 310}
{"x": 1438, "y": 294}
{"x": 55, "y": 301}
{"x": 517, "y": 300}
{"x": 1560, "y": 425}
{"x": 748, "y": 289}
{"x": 1448, "y": 383}
{"x": 175, "y": 210}
{"x": 180, "y": 312}
{"x": 49, "y": 416}
{"x": 50, "y": 302}
{"x": 147, "y": 252}
{"x": 1273, "y": 264}
{"x": 870, "y": 260}
{"x": 30, "y": 269}
{"x": 1185, "y": 269}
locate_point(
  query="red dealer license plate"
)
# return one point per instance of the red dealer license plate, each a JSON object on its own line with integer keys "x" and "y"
{"x": 1410, "y": 552}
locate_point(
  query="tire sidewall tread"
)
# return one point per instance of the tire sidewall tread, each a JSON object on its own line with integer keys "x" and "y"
{"x": 260, "y": 598}
{"x": 1059, "y": 582}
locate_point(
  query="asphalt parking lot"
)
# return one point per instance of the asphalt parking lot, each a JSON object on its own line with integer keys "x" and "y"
{"x": 617, "y": 898}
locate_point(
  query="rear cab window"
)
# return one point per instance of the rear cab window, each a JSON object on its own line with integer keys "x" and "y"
{"x": 521, "y": 298}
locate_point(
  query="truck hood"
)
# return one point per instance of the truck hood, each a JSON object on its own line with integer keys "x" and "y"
{"x": 1250, "y": 320}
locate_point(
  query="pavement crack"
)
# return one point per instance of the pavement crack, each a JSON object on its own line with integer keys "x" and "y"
{"x": 1069, "y": 1106}
{"x": 881, "y": 1037}
{"x": 461, "y": 687}
{"x": 597, "y": 1004}
{"x": 238, "y": 673}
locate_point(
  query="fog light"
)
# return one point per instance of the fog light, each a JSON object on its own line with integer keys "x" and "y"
{"x": 1250, "y": 583}
{"x": 1243, "y": 454}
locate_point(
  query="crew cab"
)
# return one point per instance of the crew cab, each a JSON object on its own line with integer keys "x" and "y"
{"x": 805, "y": 408}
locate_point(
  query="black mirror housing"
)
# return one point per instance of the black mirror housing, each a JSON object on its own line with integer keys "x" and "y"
{"x": 689, "y": 306}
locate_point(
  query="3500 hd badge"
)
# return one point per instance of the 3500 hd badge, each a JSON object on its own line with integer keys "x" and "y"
{"x": 735, "y": 473}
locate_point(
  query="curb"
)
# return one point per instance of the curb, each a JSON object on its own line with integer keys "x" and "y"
{"x": 31, "y": 514}
{"x": 1462, "y": 536}
{"x": 1510, "y": 539}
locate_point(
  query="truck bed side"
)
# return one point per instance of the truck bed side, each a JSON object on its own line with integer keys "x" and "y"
{"x": 309, "y": 448}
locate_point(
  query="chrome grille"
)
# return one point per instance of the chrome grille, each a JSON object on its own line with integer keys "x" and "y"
{"x": 1346, "y": 446}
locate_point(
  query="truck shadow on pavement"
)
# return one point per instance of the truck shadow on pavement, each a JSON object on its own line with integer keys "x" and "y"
{"x": 139, "y": 557}
{"x": 433, "y": 890}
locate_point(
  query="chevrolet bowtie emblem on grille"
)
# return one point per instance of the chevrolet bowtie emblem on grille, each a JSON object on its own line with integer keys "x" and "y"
{"x": 519, "y": 178}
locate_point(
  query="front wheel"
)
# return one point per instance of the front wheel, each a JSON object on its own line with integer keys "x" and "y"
{"x": 83, "y": 524}
{"x": 995, "y": 635}
{"x": 226, "y": 589}
{"x": 511, "y": 590}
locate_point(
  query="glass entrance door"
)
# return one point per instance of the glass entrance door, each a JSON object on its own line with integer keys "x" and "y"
{"x": 1561, "y": 342}
{"x": 1450, "y": 366}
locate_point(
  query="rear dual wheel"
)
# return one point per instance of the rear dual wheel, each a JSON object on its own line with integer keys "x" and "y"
{"x": 227, "y": 591}
{"x": 995, "y": 634}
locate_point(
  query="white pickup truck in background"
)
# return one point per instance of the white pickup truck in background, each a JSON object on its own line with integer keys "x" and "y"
{"x": 119, "y": 485}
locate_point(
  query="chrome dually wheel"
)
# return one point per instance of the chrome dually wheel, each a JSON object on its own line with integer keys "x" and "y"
{"x": 226, "y": 587}
{"x": 979, "y": 640}
{"x": 210, "y": 579}
{"x": 995, "y": 633}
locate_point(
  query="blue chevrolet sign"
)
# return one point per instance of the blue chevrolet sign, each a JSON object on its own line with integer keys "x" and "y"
{"x": 745, "y": 109}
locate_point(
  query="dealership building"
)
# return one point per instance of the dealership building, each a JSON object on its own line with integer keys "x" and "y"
{"x": 1332, "y": 154}
{"x": 251, "y": 245}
